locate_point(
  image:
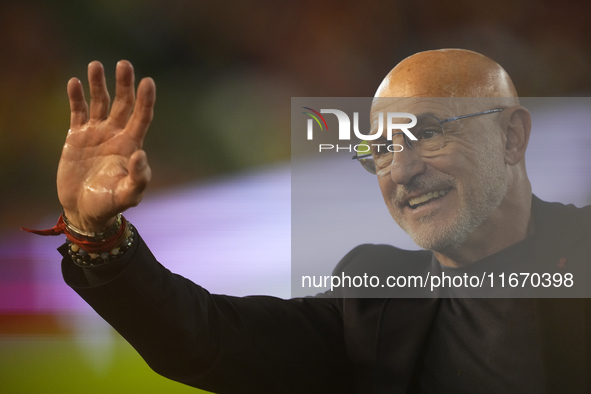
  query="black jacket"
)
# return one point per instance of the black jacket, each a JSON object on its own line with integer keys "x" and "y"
{"x": 331, "y": 343}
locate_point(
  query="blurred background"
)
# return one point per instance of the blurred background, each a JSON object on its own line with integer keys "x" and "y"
{"x": 219, "y": 146}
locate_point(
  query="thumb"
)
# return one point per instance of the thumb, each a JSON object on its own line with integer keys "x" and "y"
{"x": 139, "y": 175}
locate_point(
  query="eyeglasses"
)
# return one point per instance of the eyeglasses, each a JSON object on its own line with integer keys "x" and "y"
{"x": 429, "y": 132}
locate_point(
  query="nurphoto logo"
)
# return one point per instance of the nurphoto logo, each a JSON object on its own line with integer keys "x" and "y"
{"x": 345, "y": 129}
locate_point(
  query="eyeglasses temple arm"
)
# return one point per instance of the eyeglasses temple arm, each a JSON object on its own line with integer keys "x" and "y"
{"x": 490, "y": 111}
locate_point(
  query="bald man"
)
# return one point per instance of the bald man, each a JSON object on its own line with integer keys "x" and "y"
{"x": 460, "y": 191}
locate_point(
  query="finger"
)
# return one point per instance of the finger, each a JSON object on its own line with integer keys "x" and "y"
{"x": 124, "y": 94}
{"x": 139, "y": 176}
{"x": 78, "y": 107}
{"x": 144, "y": 110}
{"x": 99, "y": 96}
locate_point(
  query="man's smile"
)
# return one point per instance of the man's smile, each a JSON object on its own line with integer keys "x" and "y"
{"x": 426, "y": 198}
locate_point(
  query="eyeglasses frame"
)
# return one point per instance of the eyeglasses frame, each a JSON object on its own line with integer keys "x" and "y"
{"x": 441, "y": 122}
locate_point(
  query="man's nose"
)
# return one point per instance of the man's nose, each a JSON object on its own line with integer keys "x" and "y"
{"x": 406, "y": 165}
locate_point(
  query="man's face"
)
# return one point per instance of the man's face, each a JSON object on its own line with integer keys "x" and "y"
{"x": 442, "y": 199}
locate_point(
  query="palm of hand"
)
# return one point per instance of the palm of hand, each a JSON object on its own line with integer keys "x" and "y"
{"x": 93, "y": 171}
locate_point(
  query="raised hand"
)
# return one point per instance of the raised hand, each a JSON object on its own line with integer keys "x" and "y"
{"x": 103, "y": 169}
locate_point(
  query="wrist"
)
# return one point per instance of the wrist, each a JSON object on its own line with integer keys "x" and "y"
{"x": 84, "y": 255}
{"x": 73, "y": 219}
{"x": 84, "y": 235}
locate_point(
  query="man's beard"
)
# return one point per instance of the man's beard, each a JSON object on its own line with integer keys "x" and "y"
{"x": 477, "y": 202}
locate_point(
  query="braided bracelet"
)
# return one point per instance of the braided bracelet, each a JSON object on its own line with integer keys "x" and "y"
{"x": 87, "y": 249}
{"x": 82, "y": 258}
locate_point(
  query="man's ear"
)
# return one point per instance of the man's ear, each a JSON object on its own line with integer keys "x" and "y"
{"x": 516, "y": 126}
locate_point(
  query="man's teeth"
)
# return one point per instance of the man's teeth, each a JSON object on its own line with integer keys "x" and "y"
{"x": 427, "y": 196}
